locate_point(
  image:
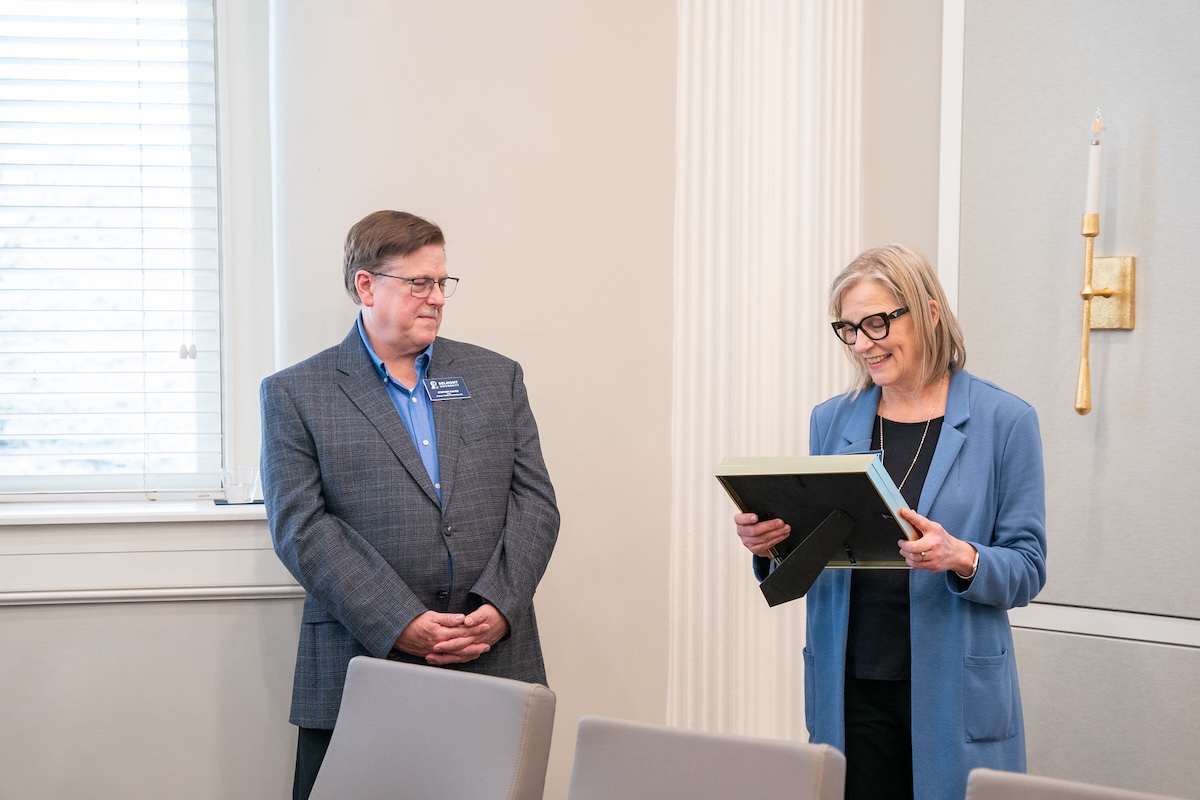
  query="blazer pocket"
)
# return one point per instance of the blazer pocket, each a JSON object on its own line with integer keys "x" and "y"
{"x": 988, "y": 698}
{"x": 481, "y": 433}
{"x": 488, "y": 443}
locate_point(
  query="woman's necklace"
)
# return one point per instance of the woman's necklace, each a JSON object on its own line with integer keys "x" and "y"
{"x": 883, "y": 452}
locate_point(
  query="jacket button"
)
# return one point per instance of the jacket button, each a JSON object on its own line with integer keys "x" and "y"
{"x": 446, "y": 529}
{"x": 442, "y": 594}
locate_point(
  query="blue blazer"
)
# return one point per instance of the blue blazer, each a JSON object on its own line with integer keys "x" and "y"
{"x": 985, "y": 486}
{"x": 357, "y": 521}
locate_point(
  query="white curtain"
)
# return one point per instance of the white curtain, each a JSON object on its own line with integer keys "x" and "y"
{"x": 767, "y": 212}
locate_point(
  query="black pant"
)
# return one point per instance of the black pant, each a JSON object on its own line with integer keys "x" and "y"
{"x": 310, "y": 752}
{"x": 878, "y": 740}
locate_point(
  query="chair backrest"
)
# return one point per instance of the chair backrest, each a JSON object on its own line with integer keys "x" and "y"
{"x": 427, "y": 733}
{"x": 990, "y": 784}
{"x": 617, "y": 760}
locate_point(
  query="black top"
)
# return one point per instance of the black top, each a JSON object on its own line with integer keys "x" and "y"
{"x": 878, "y": 645}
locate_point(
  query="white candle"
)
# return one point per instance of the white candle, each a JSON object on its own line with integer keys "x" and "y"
{"x": 1093, "y": 185}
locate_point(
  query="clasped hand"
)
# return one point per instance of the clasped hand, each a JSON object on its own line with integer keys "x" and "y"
{"x": 443, "y": 639}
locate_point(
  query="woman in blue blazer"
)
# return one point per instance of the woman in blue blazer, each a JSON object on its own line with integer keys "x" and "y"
{"x": 912, "y": 672}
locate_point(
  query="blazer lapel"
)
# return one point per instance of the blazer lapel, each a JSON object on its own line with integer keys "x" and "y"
{"x": 362, "y": 384}
{"x": 446, "y": 419}
{"x": 856, "y": 435}
{"x": 950, "y": 441}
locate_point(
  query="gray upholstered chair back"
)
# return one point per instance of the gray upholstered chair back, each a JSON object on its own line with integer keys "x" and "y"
{"x": 616, "y": 760}
{"x": 425, "y": 733}
{"x": 990, "y": 784}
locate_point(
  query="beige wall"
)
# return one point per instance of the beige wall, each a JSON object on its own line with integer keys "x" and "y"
{"x": 541, "y": 137}
{"x": 901, "y": 106}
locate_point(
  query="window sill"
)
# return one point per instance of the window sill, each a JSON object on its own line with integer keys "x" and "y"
{"x": 124, "y": 512}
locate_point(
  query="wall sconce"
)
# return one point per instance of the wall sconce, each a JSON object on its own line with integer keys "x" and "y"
{"x": 1111, "y": 307}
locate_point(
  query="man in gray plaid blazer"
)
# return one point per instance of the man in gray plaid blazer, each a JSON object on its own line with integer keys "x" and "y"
{"x": 405, "y": 487}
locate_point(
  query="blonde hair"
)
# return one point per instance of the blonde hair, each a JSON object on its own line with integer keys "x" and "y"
{"x": 906, "y": 274}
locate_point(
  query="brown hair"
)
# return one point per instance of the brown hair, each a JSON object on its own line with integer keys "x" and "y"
{"x": 381, "y": 235}
{"x": 906, "y": 274}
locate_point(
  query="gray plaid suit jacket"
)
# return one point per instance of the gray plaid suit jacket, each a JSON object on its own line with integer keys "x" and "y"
{"x": 356, "y": 520}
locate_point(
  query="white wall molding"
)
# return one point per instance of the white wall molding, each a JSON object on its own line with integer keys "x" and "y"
{"x": 1108, "y": 623}
{"x": 191, "y": 593}
{"x": 248, "y": 320}
{"x": 55, "y": 553}
{"x": 950, "y": 168}
{"x": 768, "y": 209}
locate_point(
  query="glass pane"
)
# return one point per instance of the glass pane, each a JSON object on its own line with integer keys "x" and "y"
{"x": 108, "y": 247}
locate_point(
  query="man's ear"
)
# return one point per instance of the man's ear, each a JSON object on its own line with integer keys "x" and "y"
{"x": 365, "y": 284}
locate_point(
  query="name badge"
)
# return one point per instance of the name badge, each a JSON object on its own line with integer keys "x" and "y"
{"x": 446, "y": 389}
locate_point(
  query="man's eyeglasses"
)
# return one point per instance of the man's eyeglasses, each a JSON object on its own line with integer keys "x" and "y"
{"x": 421, "y": 287}
{"x": 876, "y": 326}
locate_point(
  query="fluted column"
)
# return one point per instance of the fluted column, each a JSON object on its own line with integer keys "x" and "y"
{"x": 767, "y": 211}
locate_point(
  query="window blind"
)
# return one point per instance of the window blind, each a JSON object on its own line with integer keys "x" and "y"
{"x": 110, "y": 364}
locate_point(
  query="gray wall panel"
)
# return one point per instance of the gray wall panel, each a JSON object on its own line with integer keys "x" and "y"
{"x": 1122, "y": 530}
{"x": 1111, "y": 712}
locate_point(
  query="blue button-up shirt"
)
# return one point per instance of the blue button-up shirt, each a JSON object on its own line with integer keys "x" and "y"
{"x": 414, "y": 406}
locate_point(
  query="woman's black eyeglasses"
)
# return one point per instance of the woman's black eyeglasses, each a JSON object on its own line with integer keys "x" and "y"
{"x": 876, "y": 326}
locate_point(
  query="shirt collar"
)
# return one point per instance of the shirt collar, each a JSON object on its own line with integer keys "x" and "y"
{"x": 380, "y": 368}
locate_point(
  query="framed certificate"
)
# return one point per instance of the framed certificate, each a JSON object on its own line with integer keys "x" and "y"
{"x": 844, "y": 513}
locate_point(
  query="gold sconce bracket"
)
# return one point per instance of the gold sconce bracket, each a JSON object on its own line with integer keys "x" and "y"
{"x": 1113, "y": 304}
{"x": 1108, "y": 308}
